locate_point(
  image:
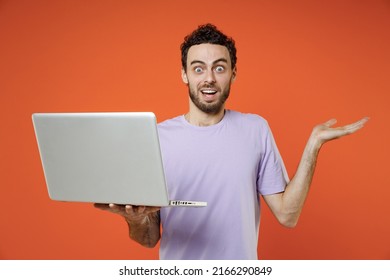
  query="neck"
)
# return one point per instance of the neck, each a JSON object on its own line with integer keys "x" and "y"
{"x": 199, "y": 118}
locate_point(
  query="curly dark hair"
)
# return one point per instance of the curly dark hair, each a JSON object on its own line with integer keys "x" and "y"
{"x": 207, "y": 33}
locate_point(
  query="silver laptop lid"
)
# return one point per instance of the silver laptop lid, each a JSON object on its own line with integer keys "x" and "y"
{"x": 102, "y": 157}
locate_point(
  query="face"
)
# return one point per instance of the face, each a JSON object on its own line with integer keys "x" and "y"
{"x": 208, "y": 76}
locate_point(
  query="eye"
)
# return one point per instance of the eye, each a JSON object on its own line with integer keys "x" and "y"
{"x": 198, "y": 69}
{"x": 219, "y": 69}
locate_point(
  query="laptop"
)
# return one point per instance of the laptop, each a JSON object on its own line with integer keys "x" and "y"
{"x": 103, "y": 158}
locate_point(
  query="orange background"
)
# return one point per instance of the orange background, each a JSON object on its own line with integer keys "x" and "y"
{"x": 299, "y": 63}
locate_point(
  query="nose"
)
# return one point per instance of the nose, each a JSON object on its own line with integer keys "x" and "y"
{"x": 210, "y": 78}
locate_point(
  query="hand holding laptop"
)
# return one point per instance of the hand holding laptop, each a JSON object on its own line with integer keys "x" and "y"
{"x": 131, "y": 213}
{"x": 143, "y": 221}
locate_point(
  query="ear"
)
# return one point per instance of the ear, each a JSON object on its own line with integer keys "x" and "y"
{"x": 184, "y": 76}
{"x": 234, "y": 74}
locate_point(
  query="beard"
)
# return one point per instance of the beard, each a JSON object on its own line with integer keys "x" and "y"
{"x": 209, "y": 108}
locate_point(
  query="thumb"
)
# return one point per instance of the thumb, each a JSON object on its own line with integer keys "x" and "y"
{"x": 330, "y": 122}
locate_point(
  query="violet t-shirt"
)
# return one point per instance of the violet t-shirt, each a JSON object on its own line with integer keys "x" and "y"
{"x": 228, "y": 165}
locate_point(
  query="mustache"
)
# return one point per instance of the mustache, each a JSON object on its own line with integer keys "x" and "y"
{"x": 209, "y": 86}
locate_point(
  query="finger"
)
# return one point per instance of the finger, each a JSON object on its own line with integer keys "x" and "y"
{"x": 148, "y": 209}
{"x": 152, "y": 209}
{"x": 102, "y": 206}
{"x": 129, "y": 209}
{"x": 330, "y": 122}
{"x": 132, "y": 209}
{"x": 363, "y": 121}
{"x": 115, "y": 208}
{"x": 140, "y": 209}
{"x": 351, "y": 128}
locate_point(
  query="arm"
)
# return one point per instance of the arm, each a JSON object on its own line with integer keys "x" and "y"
{"x": 143, "y": 222}
{"x": 287, "y": 206}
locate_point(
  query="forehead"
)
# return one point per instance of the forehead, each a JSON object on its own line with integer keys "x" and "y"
{"x": 207, "y": 53}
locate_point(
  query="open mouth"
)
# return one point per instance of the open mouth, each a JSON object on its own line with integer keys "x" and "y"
{"x": 208, "y": 91}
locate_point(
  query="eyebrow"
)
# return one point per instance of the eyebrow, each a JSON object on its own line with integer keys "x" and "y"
{"x": 214, "y": 62}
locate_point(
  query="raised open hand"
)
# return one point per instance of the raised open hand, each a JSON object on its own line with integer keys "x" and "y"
{"x": 323, "y": 133}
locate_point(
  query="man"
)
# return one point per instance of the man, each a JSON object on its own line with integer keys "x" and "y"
{"x": 225, "y": 158}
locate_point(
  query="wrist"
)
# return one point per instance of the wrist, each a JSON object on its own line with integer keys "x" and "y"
{"x": 314, "y": 144}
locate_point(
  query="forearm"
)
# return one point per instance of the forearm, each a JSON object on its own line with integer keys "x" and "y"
{"x": 297, "y": 189}
{"x": 145, "y": 231}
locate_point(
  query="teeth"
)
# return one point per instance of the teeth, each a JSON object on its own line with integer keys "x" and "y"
{"x": 209, "y": 91}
